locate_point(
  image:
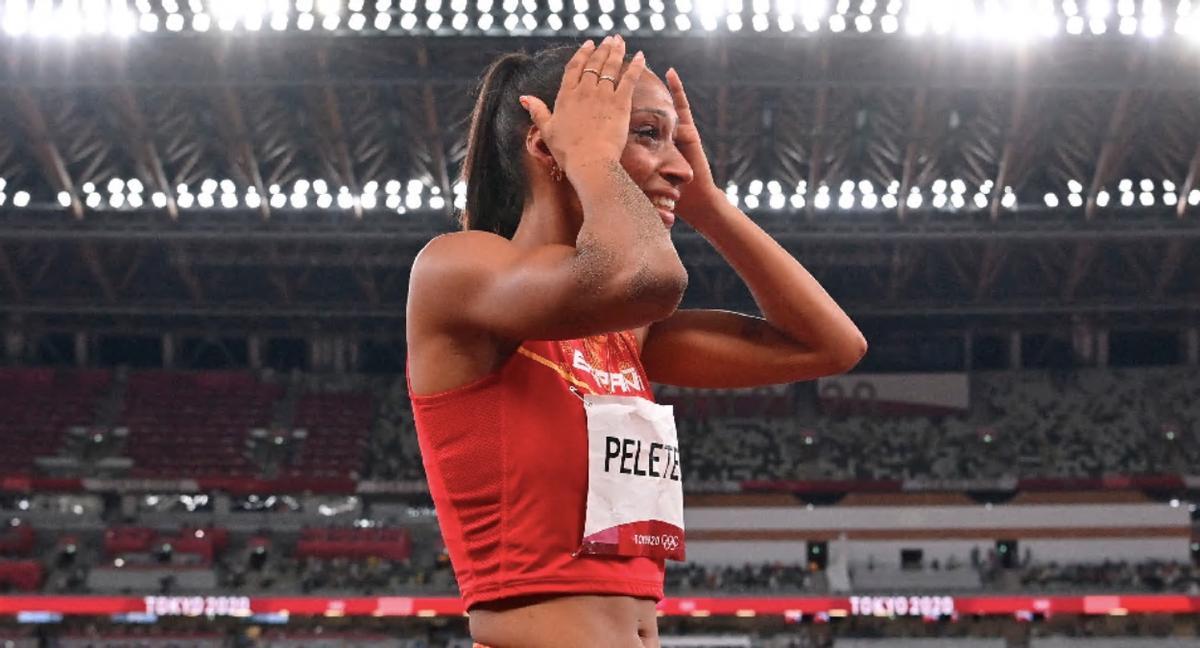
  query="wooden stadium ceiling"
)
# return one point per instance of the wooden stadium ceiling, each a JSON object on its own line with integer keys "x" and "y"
{"x": 1097, "y": 124}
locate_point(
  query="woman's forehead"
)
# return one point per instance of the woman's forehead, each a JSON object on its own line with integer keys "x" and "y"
{"x": 651, "y": 94}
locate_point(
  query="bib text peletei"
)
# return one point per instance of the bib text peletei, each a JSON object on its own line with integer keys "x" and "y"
{"x": 635, "y": 492}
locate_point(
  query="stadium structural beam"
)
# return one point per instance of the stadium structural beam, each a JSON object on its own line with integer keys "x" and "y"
{"x": 817, "y": 150}
{"x": 44, "y": 148}
{"x": 916, "y": 137}
{"x": 337, "y": 132}
{"x": 1172, "y": 259}
{"x": 432, "y": 126}
{"x": 10, "y": 276}
{"x": 1015, "y": 139}
{"x": 144, "y": 149}
{"x": 1116, "y": 139}
{"x": 238, "y": 142}
{"x": 1190, "y": 181}
{"x": 55, "y": 170}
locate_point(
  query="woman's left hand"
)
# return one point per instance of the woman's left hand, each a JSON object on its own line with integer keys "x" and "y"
{"x": 701, "y": 195}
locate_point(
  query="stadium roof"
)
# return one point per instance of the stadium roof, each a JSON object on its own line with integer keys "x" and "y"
{"x": 236, "y": 159}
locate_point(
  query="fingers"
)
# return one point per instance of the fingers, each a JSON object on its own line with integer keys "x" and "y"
{"x": 598, "y": 59}
{"x": 678, "y": 96}
{"x": 538, "y": 112}
{"x": 632, "y": 73}
{"x": 614, "y": 63}
{"x": 576, "y": 64}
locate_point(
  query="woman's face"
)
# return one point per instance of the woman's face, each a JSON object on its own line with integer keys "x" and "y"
{"x": 650, "y": 155}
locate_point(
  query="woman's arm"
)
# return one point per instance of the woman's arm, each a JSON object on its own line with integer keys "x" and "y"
{"x": 804, "y": 334}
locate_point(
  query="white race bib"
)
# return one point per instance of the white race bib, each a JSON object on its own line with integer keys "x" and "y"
{"x": 635, "y": 482}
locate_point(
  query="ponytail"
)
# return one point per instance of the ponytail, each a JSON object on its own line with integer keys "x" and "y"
{"x": 492, "y": 169}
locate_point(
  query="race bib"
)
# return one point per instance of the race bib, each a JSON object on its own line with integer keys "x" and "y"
{"x": 635, "y": 481}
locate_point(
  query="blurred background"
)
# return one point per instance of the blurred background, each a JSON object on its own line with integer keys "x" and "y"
{"x": 208, "y": 209}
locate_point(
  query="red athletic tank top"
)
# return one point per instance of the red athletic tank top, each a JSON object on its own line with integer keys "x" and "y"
{"x": 506, "y": 459}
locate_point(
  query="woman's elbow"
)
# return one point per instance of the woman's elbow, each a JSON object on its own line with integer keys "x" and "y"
{"x": 849, "y": 354}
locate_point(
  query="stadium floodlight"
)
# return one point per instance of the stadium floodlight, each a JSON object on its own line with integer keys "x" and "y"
{"x": 1169, "y": 199}
{"x": 437, "y": 202}
{"x": 115, "y": 185}
{"x": 229, "y": 200}
{"x": 205, "y": 200}
{"x": 1194, "y": 197}
{"x": 1051, "y": 200}
{"x": 939, "y": 186}
{"x": 134, "y": 200}
{"x": 394, "y": 201}
{"x": 751, "y": 202}
{"x": 383, "y": 21}
{"x": 939, "y": 201}
{"x": 914, "y": 199}
{"x": 298, "y": 201}
{"x": 1127, "y": 198}
{"x": 821, "y": 201}
{"x": 1075, "y": 200}
{"x": 889, "y": 201}
{"x": 776, "y": 201}
{"x": 1102, "y": 199}
{"x": 412, "y": 201}
{"x": 64, "y": 199}
{"x": 116, "y": 201}
{"x": 1009, "y": 199}
{"x": 981, "y": 200}
{"x": 958, "y": 186}
{"x": 158, "y": 199}
{"x": 324, "y": 201}
{"x": 869, "y": 201}
{"x": 846, "y": 201}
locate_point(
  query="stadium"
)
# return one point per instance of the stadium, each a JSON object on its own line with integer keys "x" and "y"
{"x": 209, "y": 210}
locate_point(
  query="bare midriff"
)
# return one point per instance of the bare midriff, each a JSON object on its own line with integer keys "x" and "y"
{"x": 559, "y": 621}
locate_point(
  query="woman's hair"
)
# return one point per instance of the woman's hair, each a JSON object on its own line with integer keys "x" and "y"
{"x": 493, "y": 170}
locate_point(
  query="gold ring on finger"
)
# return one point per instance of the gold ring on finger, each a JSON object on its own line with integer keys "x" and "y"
{"x": 593, "y": 71}
{"x": 605, "y": 77}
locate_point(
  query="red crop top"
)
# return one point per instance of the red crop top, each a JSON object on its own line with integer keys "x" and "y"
{"x": 506, "y": 458}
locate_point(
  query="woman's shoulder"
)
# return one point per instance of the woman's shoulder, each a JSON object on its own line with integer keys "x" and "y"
{"x": 459, "y": 256}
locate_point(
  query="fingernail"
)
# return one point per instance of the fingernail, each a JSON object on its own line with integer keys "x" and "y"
{"x": 588, "y": 43}
{"x": 639, "y": 56}
{"x": 524, "y": 102}
{"x": 620, "y": 39}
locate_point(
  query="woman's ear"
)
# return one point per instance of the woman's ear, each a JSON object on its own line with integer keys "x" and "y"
{"x": 536, "y": 146}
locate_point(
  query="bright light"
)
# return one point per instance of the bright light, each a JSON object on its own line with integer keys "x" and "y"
{"x": 64, "y": 199}
{"x": 159, "y": 199}
{"x": 1051, "y": 200}
{"x": 21, "y": 198}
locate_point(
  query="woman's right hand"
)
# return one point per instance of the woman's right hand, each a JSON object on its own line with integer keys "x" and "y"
{"x": 590, "y": 122}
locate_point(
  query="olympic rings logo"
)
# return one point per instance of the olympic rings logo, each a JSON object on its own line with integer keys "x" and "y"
{"x": 670, "y": 542}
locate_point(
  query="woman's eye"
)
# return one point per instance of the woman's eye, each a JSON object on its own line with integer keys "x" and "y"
{"x": 651, "y": 133}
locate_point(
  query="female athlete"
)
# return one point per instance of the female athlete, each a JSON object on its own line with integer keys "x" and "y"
{"x": 534, "y": 333}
